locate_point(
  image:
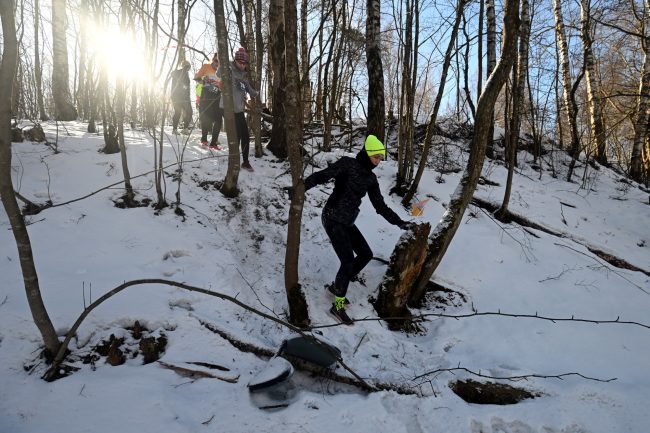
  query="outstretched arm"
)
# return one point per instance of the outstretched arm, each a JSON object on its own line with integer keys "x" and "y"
{"x": 324, "y": 175}
{"x": 382, "y": 208}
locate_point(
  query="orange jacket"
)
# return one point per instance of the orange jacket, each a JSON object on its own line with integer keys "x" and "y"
{"x": 206, "y": 69}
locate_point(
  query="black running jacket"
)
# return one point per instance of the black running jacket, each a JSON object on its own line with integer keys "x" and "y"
{"x": 353, "y": 178}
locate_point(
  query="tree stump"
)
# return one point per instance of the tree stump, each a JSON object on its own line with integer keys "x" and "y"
{"x": 404, "y": 267}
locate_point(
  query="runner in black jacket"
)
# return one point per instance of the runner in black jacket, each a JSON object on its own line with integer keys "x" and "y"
{"x": 353, "y": 179}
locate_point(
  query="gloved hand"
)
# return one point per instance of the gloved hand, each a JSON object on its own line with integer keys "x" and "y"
{"x": 407, "y": 225}
{"x": 289, "y": 191}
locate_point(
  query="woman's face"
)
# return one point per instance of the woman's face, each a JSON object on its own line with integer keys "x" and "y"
{"x": 240, "y": 65}
{"x": 376, "y": 159}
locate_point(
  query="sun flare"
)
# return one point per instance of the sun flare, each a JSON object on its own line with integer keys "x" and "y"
{"x": 121, "y": 53}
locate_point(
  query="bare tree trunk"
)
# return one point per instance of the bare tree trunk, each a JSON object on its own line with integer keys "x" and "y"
{"x": 298, "y": 313}
{"x": 319, "y": 77}
{"x": 342, "y": 69}
{"x": 537, "y": 119}
{"x": 443, "y": 234}
{"x": 64, "y": 110}
{"x": 236, "y": 11}
{"x": 120, "y": 101}
{"x": 81, "y": 92}
{"x": 182, "y": 29}
{"x": 151, "y": 102}
{"x": 253, "y": 39}
{"x": 593, "y": 97}
{"x": 641, "y": 117}
{"x": 18, "y": 227}
{"x": 479, "y": 50}
{"x": 229, "y": 187}
{"x": 491, "y": 52}
{"x": 405, "y": 134}
{"x": 468, "y": 93}
{"x": 109, "y": 120}
{"x": 304, "y": 62}
{"x": 330, "y": 89}
{"x": 406, "y": 201}
{"x": 518, "y": 87}
{"x": 278, "y": 143}
{"x": 93, "y": 102}
{"x": 646, "y": 156}
{"x": 18, "y": 105}
{"x": 38, "y": 70}
{"x": 159, "y": 174}
{"x": 120, "y": 92}
{"x": 376, "y": 102}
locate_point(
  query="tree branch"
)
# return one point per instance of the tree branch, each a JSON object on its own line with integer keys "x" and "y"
{"x": 422, "y": 317}
{"x": 52, "y": 372}
{"x": 512, "y": 378}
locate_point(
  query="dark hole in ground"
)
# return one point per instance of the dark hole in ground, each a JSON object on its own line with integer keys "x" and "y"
{"x": 439, "y": 297}
{"x": 490, "y": 392}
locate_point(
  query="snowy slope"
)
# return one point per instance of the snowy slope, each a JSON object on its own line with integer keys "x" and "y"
{"x": 236, "y": 246}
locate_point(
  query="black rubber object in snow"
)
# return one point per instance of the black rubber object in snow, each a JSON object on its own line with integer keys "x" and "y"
{"x": 317, "y": 352}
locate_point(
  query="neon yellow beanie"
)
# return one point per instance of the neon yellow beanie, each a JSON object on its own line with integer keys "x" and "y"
{"x": 374, "y": 147}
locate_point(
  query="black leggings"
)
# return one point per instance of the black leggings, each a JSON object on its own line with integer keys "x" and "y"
{"x": 184, "y": 107}
{"x": 242, "y": 134}
{"x": 347, "y": 240}
{"x": 211, "y": 117}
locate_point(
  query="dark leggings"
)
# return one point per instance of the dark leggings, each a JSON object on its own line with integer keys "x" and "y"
{"x": 184, "y": 107}
{"x": 211, "y": 117}
{"x": 242, "y": 134}
{"x": 347, "y": 240}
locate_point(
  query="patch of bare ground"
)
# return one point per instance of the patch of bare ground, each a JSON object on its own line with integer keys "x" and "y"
{"x": 490, "y": 392}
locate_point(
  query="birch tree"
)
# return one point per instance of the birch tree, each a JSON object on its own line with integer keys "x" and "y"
{"x": 569, "y": 103}
{"x": 637, "y": 171}
{"x": 593, "y": 98}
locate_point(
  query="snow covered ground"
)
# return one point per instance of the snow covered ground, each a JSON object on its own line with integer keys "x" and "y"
{"x": 236, "y": 246}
